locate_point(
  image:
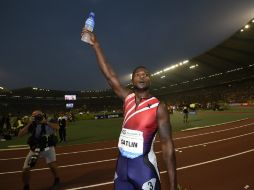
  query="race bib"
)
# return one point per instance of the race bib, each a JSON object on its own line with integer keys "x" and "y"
{"x": 131, "y": 143}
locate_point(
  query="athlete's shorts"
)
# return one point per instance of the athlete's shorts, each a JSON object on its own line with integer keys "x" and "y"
{"x": 49, "y": 155}
{"x": 138, "y": 173}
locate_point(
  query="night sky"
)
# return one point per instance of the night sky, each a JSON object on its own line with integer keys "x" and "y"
{"x": 40, "y": 42}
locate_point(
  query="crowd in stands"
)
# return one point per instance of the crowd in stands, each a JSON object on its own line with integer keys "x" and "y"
{"x": 236, "y": 92}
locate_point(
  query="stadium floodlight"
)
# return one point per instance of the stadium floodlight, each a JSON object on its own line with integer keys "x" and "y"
{"x": 200, "y": 78}
{"x": 185, "y": 82}
{"x": 167, "y": 69}
{"x": 163, "y": 76}
{"x": 247, "y": 26}
{"x": 214, "y": 75}
{"x": 1, "y": 88}
{"x": 252, "y": 21}
{"x": 35, "y": 88}
{"x": 185, "y": 61}
{"x": 242, "y": 30}
{"x": 157, "y": 73}
{"x": 193, "y": 66}
{"x": 171, "y": 67}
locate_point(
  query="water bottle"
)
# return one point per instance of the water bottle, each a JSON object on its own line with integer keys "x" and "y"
{"x": 89, "y": 25}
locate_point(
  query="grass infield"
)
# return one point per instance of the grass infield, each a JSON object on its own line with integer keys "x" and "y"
{"x": 88, "y": 131}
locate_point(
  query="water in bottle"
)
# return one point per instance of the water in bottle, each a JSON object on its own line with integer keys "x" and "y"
{"x": 89, "y": 25}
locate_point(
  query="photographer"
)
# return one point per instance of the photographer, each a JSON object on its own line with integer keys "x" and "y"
{"x": 42, "y": 144}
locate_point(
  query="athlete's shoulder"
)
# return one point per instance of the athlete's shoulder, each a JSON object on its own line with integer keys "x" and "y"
{"x": 154, "y": 99}
{"x": 128, "y": 97}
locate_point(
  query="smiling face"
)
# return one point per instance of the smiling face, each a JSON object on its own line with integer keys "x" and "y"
{"x": 141, "y": 78}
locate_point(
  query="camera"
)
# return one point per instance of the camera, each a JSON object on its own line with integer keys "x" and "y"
{"x": 33, "y": 159}
{"x": 38, "y": 118}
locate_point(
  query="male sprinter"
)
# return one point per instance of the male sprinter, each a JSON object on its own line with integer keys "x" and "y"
{"x": 144, "y": 115}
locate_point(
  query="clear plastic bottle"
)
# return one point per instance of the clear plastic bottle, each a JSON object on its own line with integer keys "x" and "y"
{"x": 89, "y": 25}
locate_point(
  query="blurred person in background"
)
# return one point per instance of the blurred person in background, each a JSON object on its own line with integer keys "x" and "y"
{"x": 62, "y": 121}
{"x": 185, "y": 114}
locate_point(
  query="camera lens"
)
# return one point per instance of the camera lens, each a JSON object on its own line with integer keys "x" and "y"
{"x": 38, "y": 118}
{"x": 33, "y": 159}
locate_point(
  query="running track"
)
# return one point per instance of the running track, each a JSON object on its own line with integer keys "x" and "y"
{"x": 213, "y": 158}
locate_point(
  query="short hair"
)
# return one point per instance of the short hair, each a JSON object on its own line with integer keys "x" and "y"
{"x": 139, "y": 67}
{"x": 37, "y": 112}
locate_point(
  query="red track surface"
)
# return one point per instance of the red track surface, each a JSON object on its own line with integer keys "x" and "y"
{"x": 214, "y": 158}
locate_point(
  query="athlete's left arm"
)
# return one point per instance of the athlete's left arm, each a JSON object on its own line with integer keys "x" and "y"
{"x": 167, "y": 145}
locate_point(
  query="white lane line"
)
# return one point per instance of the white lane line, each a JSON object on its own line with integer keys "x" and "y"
{"x": 101, "y": 149}
{"x": 18, "y": 146}
{"x": 65, "y": 153}
{"x": 194, "y": 128}
{"x": 216, "y": 160}
{"x": 65, "y": 166}
{"x": 212, "y": 132}
{"x": 91, "y": 186}
{"x": 8, "y": 149}
{"x": 178, "y": 169}
{"x": 211, "y": 142}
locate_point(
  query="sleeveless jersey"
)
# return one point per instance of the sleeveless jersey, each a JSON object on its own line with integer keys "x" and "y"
{"x": 139, "y": 126}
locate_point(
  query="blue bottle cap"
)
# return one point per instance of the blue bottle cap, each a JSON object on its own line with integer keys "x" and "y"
{"x": 91, "y": 14}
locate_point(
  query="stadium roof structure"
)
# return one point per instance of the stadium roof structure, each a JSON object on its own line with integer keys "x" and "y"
{"x": 232, "y": 60}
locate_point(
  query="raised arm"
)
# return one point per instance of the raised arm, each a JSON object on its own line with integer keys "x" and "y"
{"x": 24, "y": 130}
{"x": 167, "y": 145}
{"x": 106, "y": 69}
